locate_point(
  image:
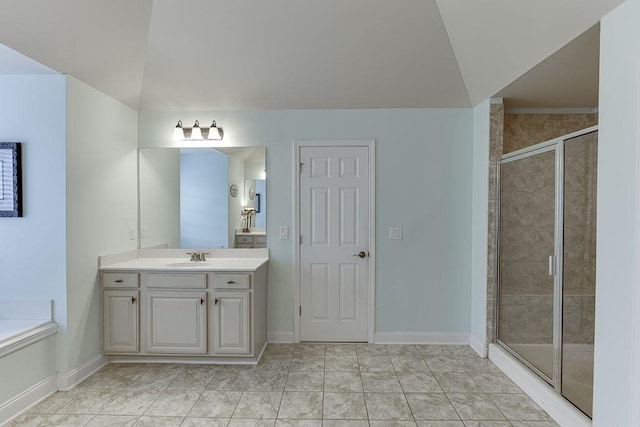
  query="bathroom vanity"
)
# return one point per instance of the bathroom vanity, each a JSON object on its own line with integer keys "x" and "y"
{"x": 255, "y": 238}
{"x": 159, "y": 305}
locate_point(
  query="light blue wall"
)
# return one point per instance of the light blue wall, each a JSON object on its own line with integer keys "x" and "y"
{"x": 32, "y": 248}
{"x": 617, "y": 337}
{"x": 423, "y": 183}
{"x": 203, "y": 197}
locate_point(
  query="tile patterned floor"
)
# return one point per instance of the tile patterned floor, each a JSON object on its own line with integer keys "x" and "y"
{"x": 305, "y": 385}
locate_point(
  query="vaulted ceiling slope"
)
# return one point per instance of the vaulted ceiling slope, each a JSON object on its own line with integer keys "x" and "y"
{"x": 496, "y": 41}
{"x": 256, "y": 54}
{"x": 566, "y": 79}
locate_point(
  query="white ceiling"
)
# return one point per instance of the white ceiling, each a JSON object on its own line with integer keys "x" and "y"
{"x": 15, "y": 63}
{"x": 566, "y": 79}
{"x": 277, "y": 54}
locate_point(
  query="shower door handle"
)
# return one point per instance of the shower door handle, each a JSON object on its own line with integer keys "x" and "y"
{"x": 552, "y": 265}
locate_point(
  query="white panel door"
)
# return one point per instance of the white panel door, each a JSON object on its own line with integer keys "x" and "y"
{"x": 177, "y": 322}
{"x": 334, "y": 227}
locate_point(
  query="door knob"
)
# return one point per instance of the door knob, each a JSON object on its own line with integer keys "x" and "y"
{"x": 361, "y": 254}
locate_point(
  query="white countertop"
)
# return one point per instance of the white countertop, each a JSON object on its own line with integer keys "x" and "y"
{"x": 183, "y": 264}
{"x": 255, "y": 231}
{"x": 177, "y": 260}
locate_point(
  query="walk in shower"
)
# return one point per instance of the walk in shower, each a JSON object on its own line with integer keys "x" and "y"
{"x": 546, "y": 261}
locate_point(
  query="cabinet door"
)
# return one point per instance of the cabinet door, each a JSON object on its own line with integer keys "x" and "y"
{"x": 231, "y": 311}
{"x": 120, "y": 310}
{"x": 176, "y": 322}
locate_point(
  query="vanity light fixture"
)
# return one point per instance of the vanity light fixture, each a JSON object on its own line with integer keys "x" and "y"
{"x": 196, "y": 132}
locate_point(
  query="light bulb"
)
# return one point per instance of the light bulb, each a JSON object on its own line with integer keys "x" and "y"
{"x": 215, "y": 132}
{"x": 196, "y": 133}
{"x": 178, "y": 133}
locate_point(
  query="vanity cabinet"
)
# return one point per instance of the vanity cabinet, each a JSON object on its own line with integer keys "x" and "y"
{"x": 176, "y": 315}
{"x": 176, "y": 322}
{"x": 185, "y": 314}
{"x": 251, "y": 241}
{"x": 121, "y": 314}
{"x": 232, "y": 313}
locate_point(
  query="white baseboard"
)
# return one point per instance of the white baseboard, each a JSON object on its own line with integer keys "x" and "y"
{"x": 546, "y": 397}
{"x": 390, "y": 338}
{"x": 79, "y": 374}
{"x": 478, "y": 346}
{"x": 27, "y": 398}
{"x": 280, "y": 337}
{"x": 420, "y": 338}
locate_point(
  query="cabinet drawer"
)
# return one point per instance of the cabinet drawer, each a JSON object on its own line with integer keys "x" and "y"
{"x": 244, "y": 239}
{"x": 120, "y": 280}
{"x": 177, "y": 280}
{"x": 231, "y": 281}
{"x": 260, "y": 239}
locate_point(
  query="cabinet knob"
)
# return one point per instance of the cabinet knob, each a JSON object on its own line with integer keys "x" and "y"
{"x": 133, "y": 300}
{"x": 230, "y": 282}
{"x": 216, "y": 301}
{"x": 119, "y": 281}
{"x": 201, "y": 301}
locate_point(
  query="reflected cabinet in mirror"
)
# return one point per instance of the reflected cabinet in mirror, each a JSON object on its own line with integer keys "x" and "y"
{"x": 202, "y": 197}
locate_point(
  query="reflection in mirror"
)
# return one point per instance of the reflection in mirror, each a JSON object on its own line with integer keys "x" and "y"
{"x": 185, "y": 198}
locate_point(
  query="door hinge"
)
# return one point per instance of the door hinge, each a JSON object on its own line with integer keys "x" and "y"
{"x": 299, "y": 310}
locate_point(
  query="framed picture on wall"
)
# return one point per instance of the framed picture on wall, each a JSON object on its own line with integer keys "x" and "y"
{"x": 10, "y": 180}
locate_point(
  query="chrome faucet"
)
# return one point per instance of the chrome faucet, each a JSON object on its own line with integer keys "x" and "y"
{"x": 198, "y": 256}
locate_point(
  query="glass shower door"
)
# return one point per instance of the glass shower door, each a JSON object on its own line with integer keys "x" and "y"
{"x": 526, "y": 262}
{"x": 579, "y": 269}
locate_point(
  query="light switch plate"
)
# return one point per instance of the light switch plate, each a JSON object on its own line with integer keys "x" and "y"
{"x": 395, "y": 233}
{"x": 132, "y": 234}
{"x": 284, "y": 233}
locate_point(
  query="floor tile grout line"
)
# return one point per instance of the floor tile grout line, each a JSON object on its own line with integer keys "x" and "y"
{"x": 240, "y": 399}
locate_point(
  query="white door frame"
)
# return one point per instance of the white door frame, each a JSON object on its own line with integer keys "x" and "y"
{"x": 297, "y": 145}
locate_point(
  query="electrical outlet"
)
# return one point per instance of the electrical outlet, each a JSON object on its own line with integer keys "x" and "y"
{"x": 395, "y": 233}
{"x": 284, "y": 233}
{"x": 132, "y": 234}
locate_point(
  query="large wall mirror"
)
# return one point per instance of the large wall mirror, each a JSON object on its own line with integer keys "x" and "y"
{"x": 202, "y": 197}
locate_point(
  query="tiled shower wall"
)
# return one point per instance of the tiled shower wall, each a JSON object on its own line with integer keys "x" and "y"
{"x": 525, "y": 130}
{"x": 527, "y": 310}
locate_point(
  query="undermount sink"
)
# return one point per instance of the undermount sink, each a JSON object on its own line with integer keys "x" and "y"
{"x": 190, "y": 264}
